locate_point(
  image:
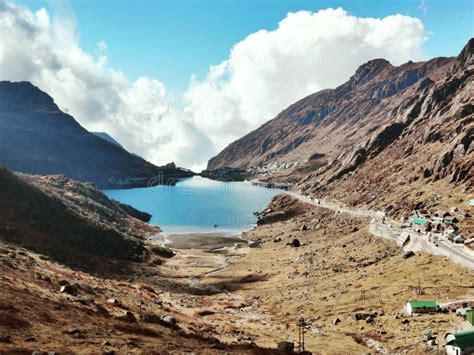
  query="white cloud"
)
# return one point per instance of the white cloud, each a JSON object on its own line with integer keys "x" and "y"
{"x": 269, "y": 70}
{"x": 264, "y": 73}
{"x": 102, "y": 45}
{"x": 423, "y": 7}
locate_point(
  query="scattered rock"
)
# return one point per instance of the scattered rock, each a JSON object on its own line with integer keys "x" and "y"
{"x": 112, "y": 301}
{"x": 73, "y": 331}
{"x": 254, "y": 244}
{"x": 405, "y": 321}
{"x": 205, "y": 312}
{"x": 5, "y": 339}
{"x": 128, "y": 317}
{"x": 168, "y": 320}
{"x": 295, "y": 243}
{"x": 242, "y": 338}
{"x": 150, "y": 318}
{"x": 286, "y": 347}
{"x": 64, "y": 283}
{"x": 408, "y": 254}
{"x": 304, "y": 228}
{"x": 132, "y": 343}
{"x": 157, "y": 261}
{"x": 106, "y": 343}
{"x": 68, "y": 289}
{"x": 277, "y": 240}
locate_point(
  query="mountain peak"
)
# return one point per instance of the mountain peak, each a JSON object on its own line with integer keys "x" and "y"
{"x": 25, "y": 93}
{"x": 467, "y": 54}
{"x": 368, "y": 70}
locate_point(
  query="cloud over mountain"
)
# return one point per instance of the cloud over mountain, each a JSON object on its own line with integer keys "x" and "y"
{"x": 264, "y": 73}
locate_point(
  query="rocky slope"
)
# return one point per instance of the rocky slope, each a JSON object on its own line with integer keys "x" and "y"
{"x": 37, "y": 137}
{"x": 76, "y": 276}
{"x": 386, "y": 127}
{"x": 70, "y": 222}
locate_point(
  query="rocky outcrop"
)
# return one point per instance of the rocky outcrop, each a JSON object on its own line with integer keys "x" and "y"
{"x": 38, "y": 138}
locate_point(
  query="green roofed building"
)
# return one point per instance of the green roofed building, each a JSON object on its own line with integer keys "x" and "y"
{"x": 421, "y": 307}
{"x": 460, "y": 343}
{"x": 470, "y": 316}
{"x": 419, "y": 220}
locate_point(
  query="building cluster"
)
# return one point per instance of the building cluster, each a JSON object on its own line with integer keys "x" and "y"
{"x": 441, "y": 223}
{"x": 457, "y": 342}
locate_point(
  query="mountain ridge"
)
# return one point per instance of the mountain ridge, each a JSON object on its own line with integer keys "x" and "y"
{"x": 36, "y": 137}
{"x": 411, "y": 124}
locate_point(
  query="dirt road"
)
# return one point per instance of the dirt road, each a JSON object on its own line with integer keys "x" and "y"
{"x": 384, "y": 228}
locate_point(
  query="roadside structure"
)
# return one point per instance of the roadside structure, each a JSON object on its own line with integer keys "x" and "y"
{"x": 420, "y": 224}
{"x": 460, "y": 343}
{"x": 414, "y": 307}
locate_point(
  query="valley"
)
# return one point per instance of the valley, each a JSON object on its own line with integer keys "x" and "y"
{"x": 347, "y": 218}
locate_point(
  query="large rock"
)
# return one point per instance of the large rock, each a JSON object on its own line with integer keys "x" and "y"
{"x": 286, "y": 347}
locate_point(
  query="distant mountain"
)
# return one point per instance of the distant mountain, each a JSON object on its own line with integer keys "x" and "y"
{"x": 108, "y": 138}
{"x": 37, "y": 137}
{"x": 386, "y": 127}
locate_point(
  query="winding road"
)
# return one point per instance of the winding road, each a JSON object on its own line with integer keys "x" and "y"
{"x": 382, "y": 227}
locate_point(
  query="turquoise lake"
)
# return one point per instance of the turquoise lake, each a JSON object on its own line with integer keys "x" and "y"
{"x": 197, "y": 205}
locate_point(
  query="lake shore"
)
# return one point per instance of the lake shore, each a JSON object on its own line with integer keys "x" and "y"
{"x": 202, "y": 241}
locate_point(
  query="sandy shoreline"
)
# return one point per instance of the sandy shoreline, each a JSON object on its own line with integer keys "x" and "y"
{"x": 203, "y": 241}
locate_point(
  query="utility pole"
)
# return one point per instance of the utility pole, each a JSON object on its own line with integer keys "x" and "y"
{"x": 419, "y": 290}
{"x": 301, "y": 330}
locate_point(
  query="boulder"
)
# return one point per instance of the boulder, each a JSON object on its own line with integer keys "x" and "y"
{"x": 336, "y": 321}
{"x": 295, "y": 243}
{"x": 128, "y": 317}
{"x": 408, "y": 254}
{"x": 169, "y": 321}
{"x": 286, "y": 347}
{"x": 68, "y": 289}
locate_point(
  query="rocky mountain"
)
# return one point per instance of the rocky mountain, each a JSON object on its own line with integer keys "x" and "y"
{"x": 37, "y": 137}
{"x": 108, "y": 138}
{"x": 387, "y": 126}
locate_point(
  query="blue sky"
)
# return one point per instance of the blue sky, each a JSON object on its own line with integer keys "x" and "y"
{"x": 138, "y": 88}
{"x": 173, "y": 39}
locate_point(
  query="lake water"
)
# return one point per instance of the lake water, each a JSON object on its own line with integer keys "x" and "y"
{"x": 196, "y": 205}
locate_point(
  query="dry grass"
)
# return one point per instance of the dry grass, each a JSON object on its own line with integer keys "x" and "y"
{"x": 136, "y": 329}
{"x": 11, "y": 321}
